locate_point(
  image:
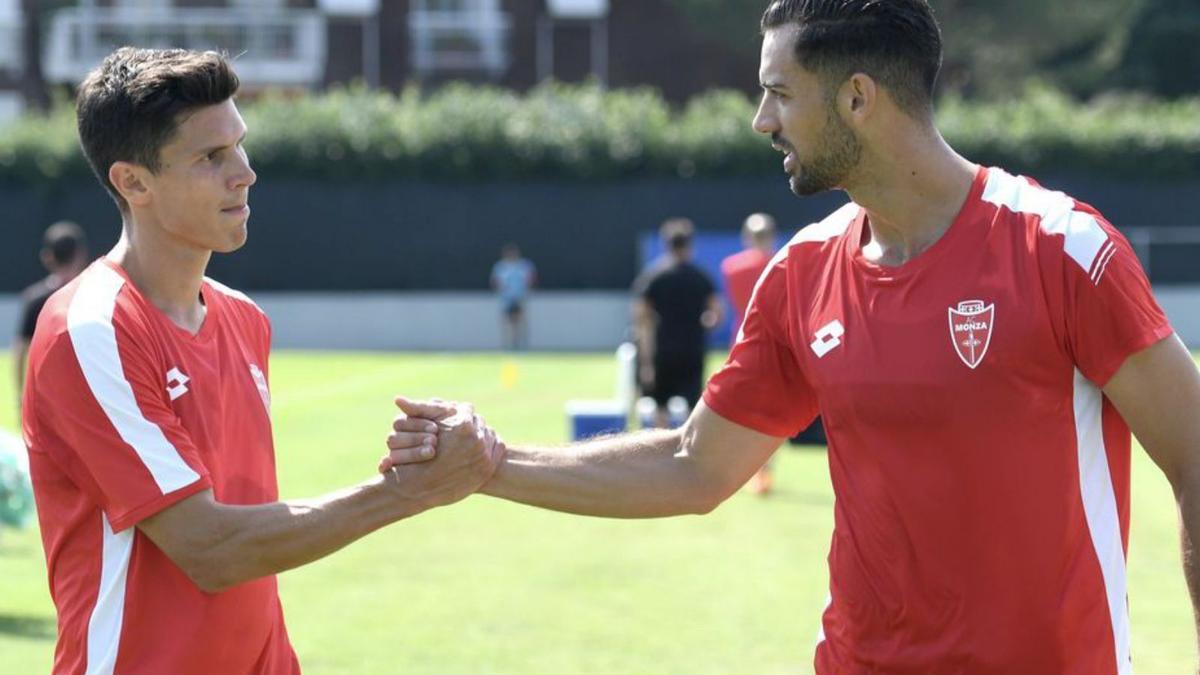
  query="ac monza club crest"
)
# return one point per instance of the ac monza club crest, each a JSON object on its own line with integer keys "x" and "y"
{"x": 971, "y": 330}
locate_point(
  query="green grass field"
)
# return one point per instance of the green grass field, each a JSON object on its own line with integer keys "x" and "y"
{"x": 491, "y": 587}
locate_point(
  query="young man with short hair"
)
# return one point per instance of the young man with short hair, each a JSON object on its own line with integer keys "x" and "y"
{"x": 147, "y": 406}
{"x": 979, "y": 348}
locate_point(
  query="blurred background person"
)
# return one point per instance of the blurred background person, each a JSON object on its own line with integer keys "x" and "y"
{"x": 512, "y": 279}
{"x": 741, "y": 271}
{"x": 64, "y": 255}
{"x": 675, "y": 304}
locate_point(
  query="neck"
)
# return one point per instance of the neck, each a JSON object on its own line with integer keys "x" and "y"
{"x": 167, "y": 273}
{"x": 912, "y": 188}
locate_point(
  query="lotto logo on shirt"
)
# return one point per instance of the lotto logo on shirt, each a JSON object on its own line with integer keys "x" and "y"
{"x": 260, "y": 382}
{"x": 176, "y": 383}
{"x": 827, "y": 338}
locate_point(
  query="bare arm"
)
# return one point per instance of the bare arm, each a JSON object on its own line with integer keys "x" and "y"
{"x": 642, "y": 475}
{"x": 715, "y": 312}
{"x": 1158, "y": 393}
{"x": 219, "y": 545}
{"x": 20, "y": 357}
{"x": 644, "y": 321}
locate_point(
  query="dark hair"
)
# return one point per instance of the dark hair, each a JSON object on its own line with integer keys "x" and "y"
{"x": 63, "y": 241}
{"x": 129, "y": 107}
{"x": 677, "y": 233}
{"x": 896, "y": 42}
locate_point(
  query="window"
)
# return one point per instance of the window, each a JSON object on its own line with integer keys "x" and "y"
{"x": 272, "y": 43}
{"x": 11, "y": 38}
{"x": 459, "y": 35}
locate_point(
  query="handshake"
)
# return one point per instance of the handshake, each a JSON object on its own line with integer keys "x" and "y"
{"x": 439, "y": 452}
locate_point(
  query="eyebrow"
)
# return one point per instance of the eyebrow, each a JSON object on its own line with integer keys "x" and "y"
{"x": 212, "y": 149}
{"x": 773, "y": 86}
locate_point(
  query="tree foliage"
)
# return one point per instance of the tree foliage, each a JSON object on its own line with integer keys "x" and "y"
{"x": 586, "y": 133}
{"x": 992, "y": 48}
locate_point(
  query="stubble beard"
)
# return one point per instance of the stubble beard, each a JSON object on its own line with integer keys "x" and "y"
{"x": 836, "y": 157}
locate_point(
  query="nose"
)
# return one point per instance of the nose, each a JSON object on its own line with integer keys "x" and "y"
{"x": 245, "y": 177}
{"x": 764, "y": 121}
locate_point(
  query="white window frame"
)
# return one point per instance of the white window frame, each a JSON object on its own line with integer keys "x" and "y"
{"x": 477, "y": 21}
{"x": 79, "y": 37}
{"x": 12, "y": 56}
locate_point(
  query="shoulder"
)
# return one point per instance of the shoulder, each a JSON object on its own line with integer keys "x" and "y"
{"x": 90, "y": 316}
{"x": 37, "y": 292}
{"x": 819, "y": 239}
{"x": 236, "y": 299}
{"x": 651, "y": 273}
{"x": 833, "y": 227}
{"x": 735, "y": 261}
{"x": 808, "y": 249}
{"x": 1056, "y": 224}
{"x": 99, "y": 299}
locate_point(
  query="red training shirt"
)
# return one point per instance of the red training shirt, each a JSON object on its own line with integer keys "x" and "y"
{"x": 981, "y": 477}
{"x": 125, "y": 414}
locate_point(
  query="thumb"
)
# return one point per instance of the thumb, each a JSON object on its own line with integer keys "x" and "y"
{"x": 429, "y": 410}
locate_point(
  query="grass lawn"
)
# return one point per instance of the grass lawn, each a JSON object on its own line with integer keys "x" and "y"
{"x": 491, "y": 587}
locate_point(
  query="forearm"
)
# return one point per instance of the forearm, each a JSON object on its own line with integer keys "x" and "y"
{"x": 1189, "y": 511}
{"x": 20, "y": 353}
{"x": 242, "y": 543}
{"x": 641, "y": 475}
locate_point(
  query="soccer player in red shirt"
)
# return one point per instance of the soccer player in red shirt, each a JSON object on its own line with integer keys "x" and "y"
{"x": 742, "y": 269}
{"x": 741, "y": 272}
{"x": 978, "y": 347}
{"x": 147, "y": 405}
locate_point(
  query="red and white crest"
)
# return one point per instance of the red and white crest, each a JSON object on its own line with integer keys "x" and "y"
{"x": 971, "y": 330}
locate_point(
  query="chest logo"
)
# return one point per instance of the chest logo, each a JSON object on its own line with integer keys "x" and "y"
{"x": 176, "y": 383}
{"x": 971, "y": 330}
{"x": 260, "y": 381}
{"x": 827, "y": 338}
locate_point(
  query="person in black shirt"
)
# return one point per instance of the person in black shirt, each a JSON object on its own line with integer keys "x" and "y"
{"x": 675, "y": 304}
{"x": 64, "y": 255}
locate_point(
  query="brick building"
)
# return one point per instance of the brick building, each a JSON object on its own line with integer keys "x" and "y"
{"x": 310, "y": 44}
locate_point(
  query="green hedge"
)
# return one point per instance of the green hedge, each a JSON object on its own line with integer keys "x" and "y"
{"x": 584, "y": 133}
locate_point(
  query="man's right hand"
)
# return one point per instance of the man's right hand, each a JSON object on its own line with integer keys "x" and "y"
{"x": 467, "y": 452}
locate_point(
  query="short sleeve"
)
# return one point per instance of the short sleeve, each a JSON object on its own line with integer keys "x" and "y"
{"x": 102, "y": 412}
{"x": 762, "y": 386}
{"x": 1109, "y": 311}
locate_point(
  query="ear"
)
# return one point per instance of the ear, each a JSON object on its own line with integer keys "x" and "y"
{"x": 132, "y": 182}
{"x": 858, "y": 97}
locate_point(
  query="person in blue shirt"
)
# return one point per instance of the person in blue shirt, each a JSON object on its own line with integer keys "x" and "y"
{"x": 512, "y": 278}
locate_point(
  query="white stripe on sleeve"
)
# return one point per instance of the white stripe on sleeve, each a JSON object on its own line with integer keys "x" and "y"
{"x": 1083, "y": 237}
{"x": 89, "y": 323}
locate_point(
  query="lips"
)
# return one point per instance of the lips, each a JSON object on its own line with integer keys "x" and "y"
{"x": 789, "y": 160}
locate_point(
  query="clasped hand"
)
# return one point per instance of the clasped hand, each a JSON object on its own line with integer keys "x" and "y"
{"x": 440, "y": 449}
